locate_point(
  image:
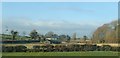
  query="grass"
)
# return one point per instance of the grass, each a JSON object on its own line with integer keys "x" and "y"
{"x": 90, "y": 53}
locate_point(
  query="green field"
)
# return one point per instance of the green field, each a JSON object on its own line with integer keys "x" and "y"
{"x": 90, "y": 53}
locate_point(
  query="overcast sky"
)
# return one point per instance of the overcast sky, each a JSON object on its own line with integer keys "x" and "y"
{"x": 59, "y": 17}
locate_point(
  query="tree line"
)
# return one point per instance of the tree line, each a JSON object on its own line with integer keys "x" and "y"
{"x": 34, "y": 35}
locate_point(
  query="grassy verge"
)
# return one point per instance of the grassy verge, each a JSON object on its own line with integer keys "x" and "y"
{"x": 90, "y": 53}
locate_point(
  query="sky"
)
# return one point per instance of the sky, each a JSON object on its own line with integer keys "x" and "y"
{"x": 60, "y": 0}
{"x": 82, "y": 18}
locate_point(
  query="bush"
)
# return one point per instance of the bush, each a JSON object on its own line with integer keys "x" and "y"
{"x": 14, "y": 49}
{"x": 20, "y": 48}
{"x": 106, "y": 48}
{"x": 8, "y": 48}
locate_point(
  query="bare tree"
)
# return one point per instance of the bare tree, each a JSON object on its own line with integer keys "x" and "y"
{"x": 49, "y": 34}
{"x": 14, "y": 34}
{"x": 68, "y": 38}
{"x": 74, "y": 36}
{"x": 85, "y": 38}
{"x": 24, "y": 33}
{"x": 34, "y": 34}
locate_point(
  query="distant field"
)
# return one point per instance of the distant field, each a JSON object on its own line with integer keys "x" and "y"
{"x": 90, "y": 53}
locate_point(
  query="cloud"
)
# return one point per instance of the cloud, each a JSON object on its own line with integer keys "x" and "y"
{"x": 76, "y": 9}
{"x": 43, "y": 26}
{"x": 0, "y": 26}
